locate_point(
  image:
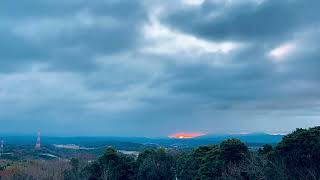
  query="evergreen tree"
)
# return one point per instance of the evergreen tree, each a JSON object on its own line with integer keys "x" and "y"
{"x": 156, "y": 165}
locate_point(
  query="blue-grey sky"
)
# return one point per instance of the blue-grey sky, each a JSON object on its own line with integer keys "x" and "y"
{"x": 156, "y": 67}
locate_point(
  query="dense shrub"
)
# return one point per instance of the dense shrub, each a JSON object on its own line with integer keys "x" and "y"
{"x": 155, "y": 165}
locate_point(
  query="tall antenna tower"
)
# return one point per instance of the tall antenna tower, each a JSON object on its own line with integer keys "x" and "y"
{"x": 38, "y": 144}
{"x": 1, "y": 146}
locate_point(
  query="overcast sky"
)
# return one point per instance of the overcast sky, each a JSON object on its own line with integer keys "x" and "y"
{"x": 156, "y": 67}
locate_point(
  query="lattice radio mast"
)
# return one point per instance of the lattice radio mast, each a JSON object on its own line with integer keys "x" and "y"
{"x": 1, "y": 146}
{"x": 38, "y": 144}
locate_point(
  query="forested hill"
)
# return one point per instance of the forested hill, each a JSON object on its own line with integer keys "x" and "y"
{"x": 134, "y": 143}
{"x": 296, "y": 157}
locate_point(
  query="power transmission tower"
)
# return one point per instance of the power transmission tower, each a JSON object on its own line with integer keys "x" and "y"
{"x": 38, "y": 144}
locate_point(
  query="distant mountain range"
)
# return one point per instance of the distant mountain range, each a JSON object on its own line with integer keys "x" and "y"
{"x": 247, "y": 138}
{"x": 254, "y": 139}
{"x": 134, "y": 143}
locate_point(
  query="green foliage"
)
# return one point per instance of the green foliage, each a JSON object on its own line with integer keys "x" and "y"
{"x": 112, "y": 165}
{"x": 266, "y": 149}
{"x": 233, "y": 151}
{"x": 155, "y": 165}
{"x": 75, "y": 163}
{"x": 74, "y": 172}
{"x": 297, "y": 156}
{"x": 197, "y": 164}
{"x": 210, "y": 162}
{"x": 187, "y": 167}
{"x": 92, "y": 171}
{"x": 300, "y": 152}
{"x": 117, "y": 166}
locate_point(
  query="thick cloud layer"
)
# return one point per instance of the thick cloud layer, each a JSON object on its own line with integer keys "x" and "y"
{"x": 152, "y": 68}
{"x": 246, "y": 20}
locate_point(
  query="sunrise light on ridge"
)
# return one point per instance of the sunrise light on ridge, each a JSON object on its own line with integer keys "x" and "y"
{"x": 186, "y": 135}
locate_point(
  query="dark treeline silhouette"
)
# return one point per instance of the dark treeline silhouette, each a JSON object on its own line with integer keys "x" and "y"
{"x": 296, "y": 157}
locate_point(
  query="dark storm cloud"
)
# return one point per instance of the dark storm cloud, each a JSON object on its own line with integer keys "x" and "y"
{"x": 272, "y": 19}
{"x": 67, "y": 34}
{"x": 254, "y": 81}
{"x": 131, "y": 67}
{"x": 244, "y": 87}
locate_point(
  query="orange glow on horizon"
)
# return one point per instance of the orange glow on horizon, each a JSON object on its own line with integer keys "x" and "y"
{"x": 186, "y": 135}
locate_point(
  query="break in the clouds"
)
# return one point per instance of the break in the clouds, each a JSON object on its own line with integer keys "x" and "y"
{"x": 153, "y": 68}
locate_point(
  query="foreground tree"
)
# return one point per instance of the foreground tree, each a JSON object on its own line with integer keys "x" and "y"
{"x": 198, "y": 163}
{"x": 214, "y": 162}
{"x": 300, "y": 153}
{"x": 112, "y": 166}
{"x": 297, "y": 156}
{"x": 265, "y": 149}
{"x": 73, "y": 173}
{"x": 155, "y": 165}
{"x": 211, "y": 165}
{"x": 233, "y": 151}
